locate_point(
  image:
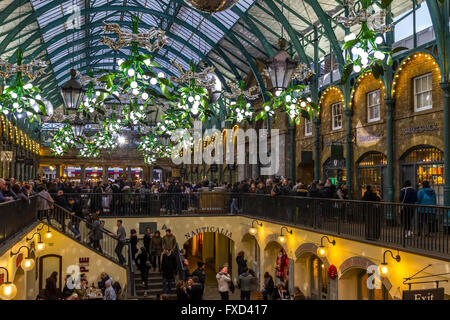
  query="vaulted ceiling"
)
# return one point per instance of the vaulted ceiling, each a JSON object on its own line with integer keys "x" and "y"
{"x": 230, "y": 40}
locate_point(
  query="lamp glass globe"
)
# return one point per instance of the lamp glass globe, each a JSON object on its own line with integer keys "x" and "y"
{"x": 27, "y": 264}
{"x": 322, "y": 251}
{"x": 8, "y": 291}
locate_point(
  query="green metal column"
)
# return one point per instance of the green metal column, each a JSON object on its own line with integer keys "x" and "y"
{"x": 292, "y": 149}
{"x": 316, "y": 121}
{"x": 446, "y": 88}
{"x": 390, "y": 105}
{"x": 348, "y": 147}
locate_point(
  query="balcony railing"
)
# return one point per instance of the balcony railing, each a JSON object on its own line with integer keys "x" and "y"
{"x": 422, "y": 229}
{"x": 15, "y": 216}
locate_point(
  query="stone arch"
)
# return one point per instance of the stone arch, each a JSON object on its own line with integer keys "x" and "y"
{"x": 411, "y": 57}
{"x": 358, "y": 262}
{"x": 303, "y": 254}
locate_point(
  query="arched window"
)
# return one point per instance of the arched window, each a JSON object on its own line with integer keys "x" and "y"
{"x": 371, "y": 167}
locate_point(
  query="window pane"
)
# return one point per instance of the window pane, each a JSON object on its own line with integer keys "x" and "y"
{"x": 418, "y": 85}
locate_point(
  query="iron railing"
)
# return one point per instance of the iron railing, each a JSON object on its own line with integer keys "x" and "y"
{"x": 415, "y": 227}
{"x": 85, "y": 232}
{"x": 15, "y": 216}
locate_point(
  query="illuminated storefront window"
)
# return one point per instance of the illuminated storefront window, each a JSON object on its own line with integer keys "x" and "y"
{"x": 425, "y": 163}
{"x": 335, "y": 171}
{"x": 371, "y": 171}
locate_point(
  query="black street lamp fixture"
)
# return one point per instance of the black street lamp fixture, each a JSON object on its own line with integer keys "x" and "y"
{"x": 72, "y": 92}
{"x": 384, "y": 269}
{"x": 281, "y": 68}
{"x": 27, "y": 263}
{"x": 281, "y": 237}
{"x": 40, "y": 245}
{"x": 322, "y": 250}
{"x": 8, "y": 290}
{"x": 253, "y": 230}
{"x": 77, "y": 127}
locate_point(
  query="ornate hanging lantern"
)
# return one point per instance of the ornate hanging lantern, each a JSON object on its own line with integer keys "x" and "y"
{"x": 72, "y": 92}
{"x": 281, "y": 68}
{"x": 212, "y": 6}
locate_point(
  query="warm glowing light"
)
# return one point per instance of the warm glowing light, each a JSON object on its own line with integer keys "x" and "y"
{"x": 27, "y": 264}
{"x": 40, "y": 246}
{"x": 48, "y": 234}
{"x": 252, "y": 231}
{"x": 282, "y": 239}
{"x": 384, "y": 270}
{"x": 8, "y": 291}
{"x": 322, "y": 251}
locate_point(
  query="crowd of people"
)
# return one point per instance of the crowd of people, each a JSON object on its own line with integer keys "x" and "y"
{"x": 80, "y": 289}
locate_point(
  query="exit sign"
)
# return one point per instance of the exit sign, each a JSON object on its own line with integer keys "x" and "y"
{"x": 425, "y": 294}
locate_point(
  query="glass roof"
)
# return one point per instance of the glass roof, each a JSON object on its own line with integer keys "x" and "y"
{"x": 230, "y": 40}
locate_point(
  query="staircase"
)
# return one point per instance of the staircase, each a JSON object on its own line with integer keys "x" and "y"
{"x": 154, "y": 286}
{"x": 59, "y": 219}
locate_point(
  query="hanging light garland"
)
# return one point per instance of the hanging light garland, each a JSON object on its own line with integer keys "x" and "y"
{"x": 22, "y": 97}
{"x": 125, "y": 38}
{"x": 241, "y": 109}
{"x": 366, "y": 47}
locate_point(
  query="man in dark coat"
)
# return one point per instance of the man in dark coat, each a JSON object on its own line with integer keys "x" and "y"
{"x": 51, "y": 290}
{"x": 200, "y": 274}
{"x": 169, "y": 269}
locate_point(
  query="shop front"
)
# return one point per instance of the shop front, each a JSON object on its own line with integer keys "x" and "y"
{"x": 371, "y": 171}
{"x": 115, "y": 173}
{"x": 73, "y": 174}
{"x": 94, "y": 174}
{"x": 424, "y": 163}
{"x": 335, "y": 171}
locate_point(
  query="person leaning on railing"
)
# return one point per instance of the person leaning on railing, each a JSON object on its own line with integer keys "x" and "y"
{"x": 4, "y": 198}
{"x": 44, "y": 202}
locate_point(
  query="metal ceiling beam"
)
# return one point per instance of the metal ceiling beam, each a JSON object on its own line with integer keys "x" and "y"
{"x": 290, "y": 31}
{"x": 255, "y": 30}
{"x": 177, "y": 38}
{"x": 63, "y": 19}
{"x": 240, "y": 47}
{"x": 325, "y": 21}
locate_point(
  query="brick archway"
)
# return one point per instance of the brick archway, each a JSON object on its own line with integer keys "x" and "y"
{"x": 360, "y": 263}
{"x": 311, "y": 249}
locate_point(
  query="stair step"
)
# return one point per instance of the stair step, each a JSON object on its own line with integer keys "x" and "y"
{"x": 149, "y": 286}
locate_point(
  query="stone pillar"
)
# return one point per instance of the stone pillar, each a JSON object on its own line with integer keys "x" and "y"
{"x": 105, "y": 174}
{"x": 82, "y": 173}
{"x": 129, "y": 173}
{"x": 58, "y": 171}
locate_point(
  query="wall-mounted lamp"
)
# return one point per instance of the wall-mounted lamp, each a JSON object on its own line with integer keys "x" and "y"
{"x": 8, "y": 290}
{"x": 322, "y": 250}
{"x": 40, "y": 245}
{"x": 48, "y": 234}
{"x": 253, "y": 230}
{"x": 281, "y": 237}
{"x": 384, "y": 270}
{"x": 27, "y": 263}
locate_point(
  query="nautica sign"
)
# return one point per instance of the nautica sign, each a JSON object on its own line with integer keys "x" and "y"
{"x": 196, "y": 231}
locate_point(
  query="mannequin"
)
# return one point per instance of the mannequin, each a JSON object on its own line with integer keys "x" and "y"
{"x": 282, "y": 269}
